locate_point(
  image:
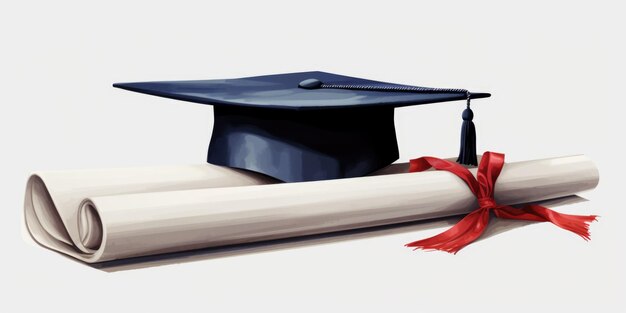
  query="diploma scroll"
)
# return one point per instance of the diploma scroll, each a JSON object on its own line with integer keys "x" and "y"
{"x": 101, "y": 215}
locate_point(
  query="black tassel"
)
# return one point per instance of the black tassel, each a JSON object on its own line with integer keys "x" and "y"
{"x": 467, "y": 155}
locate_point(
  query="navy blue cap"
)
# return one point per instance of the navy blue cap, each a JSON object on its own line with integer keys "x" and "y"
{"x": 302, "y": 126}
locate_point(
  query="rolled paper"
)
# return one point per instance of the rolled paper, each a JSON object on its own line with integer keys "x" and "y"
{"x": 103, "y": 215}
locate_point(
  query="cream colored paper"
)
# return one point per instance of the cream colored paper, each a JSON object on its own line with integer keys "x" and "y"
{"x": 101, "y": 215}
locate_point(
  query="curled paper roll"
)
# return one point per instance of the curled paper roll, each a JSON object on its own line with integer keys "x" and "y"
{"x": 105, "y": 215}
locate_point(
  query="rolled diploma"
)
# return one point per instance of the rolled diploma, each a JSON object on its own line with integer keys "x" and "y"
{"x": 136, "y": 224}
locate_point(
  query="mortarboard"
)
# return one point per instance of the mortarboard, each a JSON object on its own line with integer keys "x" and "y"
{"x": 309, "y": 125}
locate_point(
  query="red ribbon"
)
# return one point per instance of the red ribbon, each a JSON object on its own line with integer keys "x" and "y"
{"x": 474, "y": 224}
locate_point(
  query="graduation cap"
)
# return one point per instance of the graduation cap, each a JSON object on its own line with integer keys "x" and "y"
{"x": 309, "y": 125}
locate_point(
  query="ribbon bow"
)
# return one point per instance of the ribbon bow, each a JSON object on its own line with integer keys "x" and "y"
{"x": 473, "y": 225}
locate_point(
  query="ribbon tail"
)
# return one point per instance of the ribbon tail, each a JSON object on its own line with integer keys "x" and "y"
{"x": 457, "y": 237}
{"x": 578, "y": 224}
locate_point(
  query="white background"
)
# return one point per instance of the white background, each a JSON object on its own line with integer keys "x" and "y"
{"x": 555, "y": 70}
